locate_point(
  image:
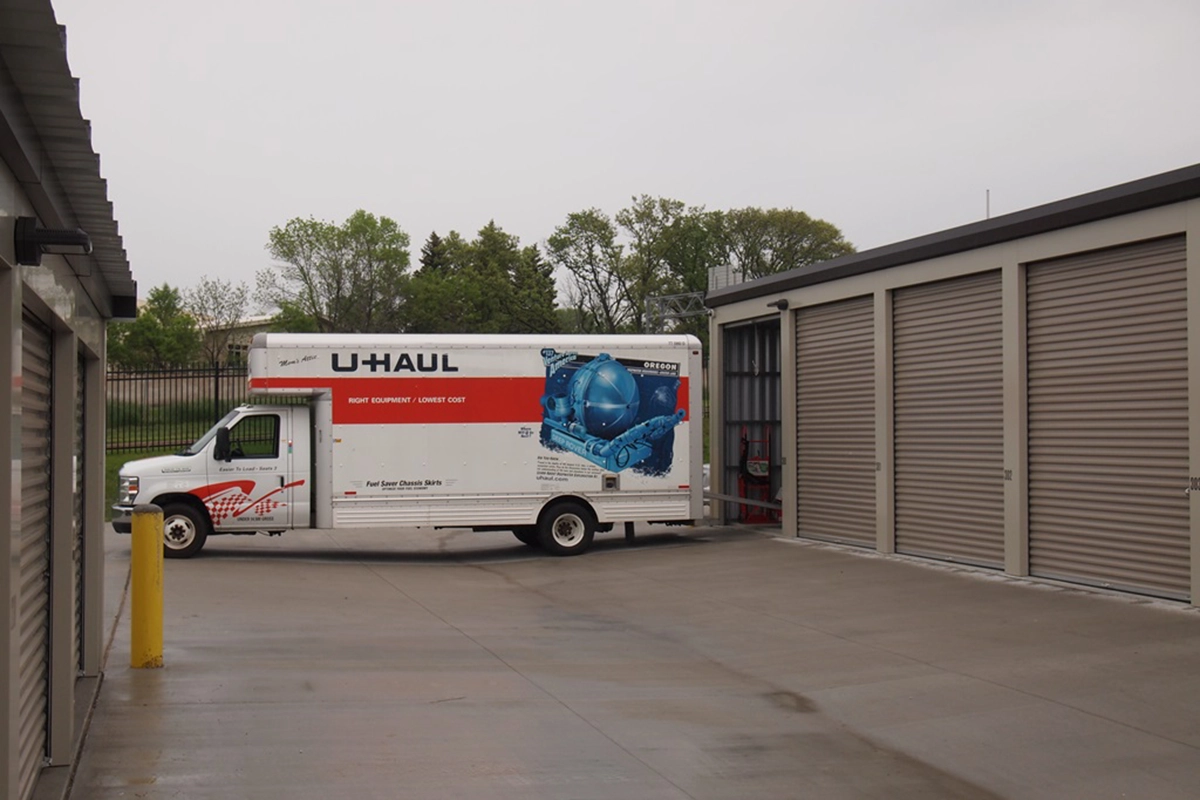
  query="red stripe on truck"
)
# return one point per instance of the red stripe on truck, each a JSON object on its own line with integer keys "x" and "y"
{"x": 365, "y": 401}
{"x": 374, "y": 401}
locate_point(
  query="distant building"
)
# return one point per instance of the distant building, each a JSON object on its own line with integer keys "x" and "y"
{"x": 237, "y": 338}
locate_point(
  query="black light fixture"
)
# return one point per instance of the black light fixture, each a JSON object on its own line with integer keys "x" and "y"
{"x": 29, "y": 240}
{"x": 780, "y": 304}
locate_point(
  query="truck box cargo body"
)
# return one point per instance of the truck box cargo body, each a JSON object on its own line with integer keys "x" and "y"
{"x": 551, "y": 437}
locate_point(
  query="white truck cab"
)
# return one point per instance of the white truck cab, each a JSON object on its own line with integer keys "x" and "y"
{"x": 250, "y": 472}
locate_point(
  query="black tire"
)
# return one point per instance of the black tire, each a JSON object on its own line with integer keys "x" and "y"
{"x": 527, "y": 534}
{"x": 184, "y": 530}
{"x": 566, "y": 528}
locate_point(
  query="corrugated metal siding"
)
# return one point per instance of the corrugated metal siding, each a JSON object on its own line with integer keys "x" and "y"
{"x": 751, "y": 398}
{"x": 835, "y": 421}
{"x": 33, "y": 598}
{"x": 949, "y": 420}
{"x": 1108, "y": 419}
{"x": 77, "y": 548}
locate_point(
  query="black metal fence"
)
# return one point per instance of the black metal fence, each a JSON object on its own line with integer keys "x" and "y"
{"x": 169, "y": 409}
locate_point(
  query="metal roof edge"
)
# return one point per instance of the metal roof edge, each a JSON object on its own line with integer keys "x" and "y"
{"x": 1139, "y": 195}
{"x": 48, "y": 144}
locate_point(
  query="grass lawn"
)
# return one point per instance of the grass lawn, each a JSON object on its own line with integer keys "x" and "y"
{"x": 112, "y": 463}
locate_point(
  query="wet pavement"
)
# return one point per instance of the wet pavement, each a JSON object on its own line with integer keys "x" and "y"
{"x": 698, "y": 663}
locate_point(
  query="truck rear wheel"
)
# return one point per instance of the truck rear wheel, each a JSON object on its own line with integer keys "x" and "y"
{"x": 527, "y": 534}
{"x": 566, "y": 528}
{"x": 184, "y": 530}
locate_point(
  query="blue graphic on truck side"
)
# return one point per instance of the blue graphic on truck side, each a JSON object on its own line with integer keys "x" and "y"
{"x": 616, "y": 413}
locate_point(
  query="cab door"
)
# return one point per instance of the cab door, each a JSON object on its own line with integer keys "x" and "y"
{"x": 251, "y": 488}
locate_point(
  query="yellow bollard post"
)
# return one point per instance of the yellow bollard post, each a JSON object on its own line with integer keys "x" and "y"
{"x": 146, "y": 588}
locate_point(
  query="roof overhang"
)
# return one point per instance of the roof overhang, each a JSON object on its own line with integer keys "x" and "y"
{"x": 47, "y": 144}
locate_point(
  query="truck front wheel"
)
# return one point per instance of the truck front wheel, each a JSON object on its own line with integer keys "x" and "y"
{"x": 566, "y": 529}
{"x": 184, "y": 530}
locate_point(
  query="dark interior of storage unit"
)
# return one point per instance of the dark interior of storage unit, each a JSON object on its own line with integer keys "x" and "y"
{"x": 751, "y": 426}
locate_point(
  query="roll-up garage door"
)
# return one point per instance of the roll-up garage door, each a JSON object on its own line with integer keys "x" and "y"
{"x": 77, "y": 549}
{"x": 1108, "y": 418}
{"x": 835, "y": 421}
{"x": 33, "y": 598}
{"x": 949, "y": 420}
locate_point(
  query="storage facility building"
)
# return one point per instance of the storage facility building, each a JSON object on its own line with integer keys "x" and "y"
{"x": 57, "y": 299}
{"x": 1016, "y": 394}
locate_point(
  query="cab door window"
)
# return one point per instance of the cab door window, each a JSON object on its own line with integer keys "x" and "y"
{"x": 255, "y": 437}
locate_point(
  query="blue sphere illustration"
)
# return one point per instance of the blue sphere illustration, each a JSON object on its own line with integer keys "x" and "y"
{"x": 604, "y": 397}
{"x": 662, "y": 402}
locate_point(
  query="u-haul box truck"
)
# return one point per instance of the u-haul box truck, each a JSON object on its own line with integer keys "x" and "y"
{"x": 550, "y": 437}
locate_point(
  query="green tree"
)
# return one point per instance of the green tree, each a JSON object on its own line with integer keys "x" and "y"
{"x": 488, "y": 285}
{"x": 217, "y": 306}
{"x": 349, "y": 278}
{"x": 436, "y": 254}
{"x": 487, "y": 279}
{"x": 660, "y": 247}
{"x": 670, "y": 249}
{"x": 436, "y": 302}
{"x": 163, "y": 336}
{"x": 766, "y": 241}
{"x": 569, "y": 320}
{"x": 586, "y": 247}
{"x": 291, "y": 319}
{"x": 690, "y": 246}
{"x": 533, "y": 309}
{"x": 643, "y": 272}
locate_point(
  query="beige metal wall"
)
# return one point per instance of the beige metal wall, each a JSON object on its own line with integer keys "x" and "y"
{"x": 79, "y": 511}
{"x": 1012, "y": 261}
{"x": 52, "y": 330}
{"x": 52, "y": 541}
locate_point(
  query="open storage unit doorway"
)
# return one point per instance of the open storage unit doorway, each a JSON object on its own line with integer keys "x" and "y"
{"x": 751, "y": 444}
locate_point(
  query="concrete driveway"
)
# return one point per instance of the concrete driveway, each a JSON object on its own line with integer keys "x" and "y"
{"x": 705, "y": 663}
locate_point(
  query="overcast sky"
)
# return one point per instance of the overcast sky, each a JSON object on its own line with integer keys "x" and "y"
{"x": 216, "y": 121}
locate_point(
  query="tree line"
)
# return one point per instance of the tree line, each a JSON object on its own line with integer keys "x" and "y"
{"x": 180, "y": 328}
{"x": 358, "y": 277}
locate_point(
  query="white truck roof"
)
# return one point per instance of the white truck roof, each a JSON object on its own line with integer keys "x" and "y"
{"x": 313, "y": 340}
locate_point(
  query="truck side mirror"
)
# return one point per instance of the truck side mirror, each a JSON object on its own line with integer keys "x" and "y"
{"x": 221, "y": 452}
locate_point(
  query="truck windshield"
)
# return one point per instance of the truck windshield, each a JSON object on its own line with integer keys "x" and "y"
{"x": 203, "y": 441}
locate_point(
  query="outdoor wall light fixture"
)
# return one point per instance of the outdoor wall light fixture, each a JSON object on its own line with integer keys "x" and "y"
{"x": 29, "y": 240}
{"x": 780, "y": 304}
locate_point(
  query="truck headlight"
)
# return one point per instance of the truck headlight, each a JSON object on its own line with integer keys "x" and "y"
{"x": 127, "y": 489}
